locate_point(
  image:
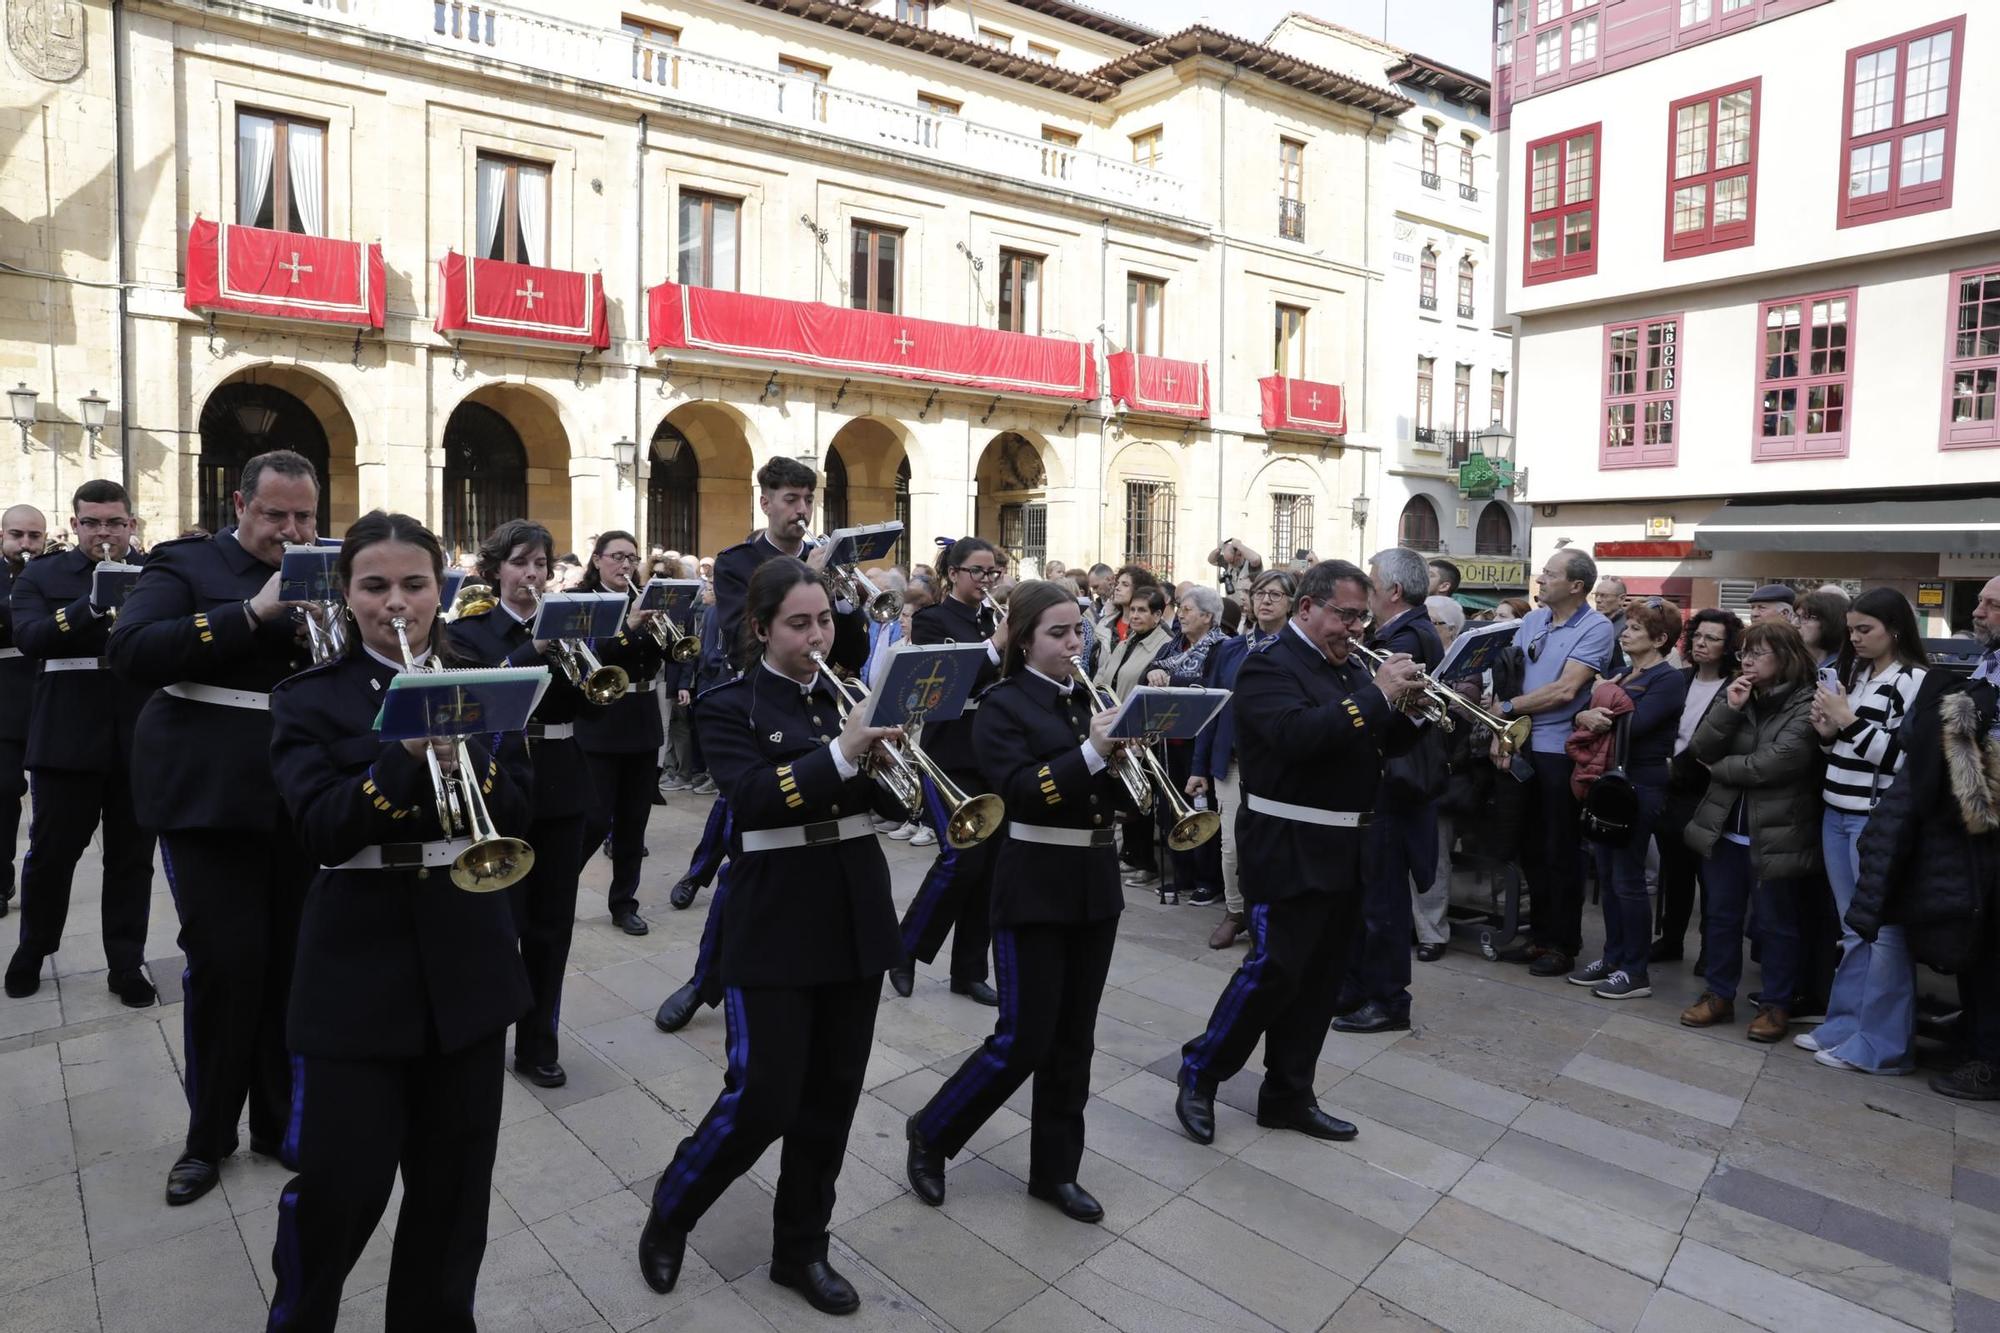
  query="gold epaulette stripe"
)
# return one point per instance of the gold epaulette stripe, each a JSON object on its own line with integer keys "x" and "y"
{"x": 201, "y": 624}
{"x": 62, "y": 621}
{"x": 1049, "y": 792}
{"x": 789, "y": 785}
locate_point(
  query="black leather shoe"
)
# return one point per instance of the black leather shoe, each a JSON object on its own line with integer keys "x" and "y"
{"x": 824, "y": 1290}
{"x": 977, "y": 991}
{"x": 1373, "y": 1016}
{"x": 24, "y": 973}
{"x": 631, "y": 923}
{"x": 1195, "y": 1107}
{"x": 677, "y": 1009}
{"x": 1553, "y": 963}
{"x": 1072, "y": 1198}
{"x": 661, "y": 1249}
{"x": 550, "y": 1075}
{"x": 190, "y": 1178}
{"x": 903, "y": 979}
{"x": 925, "y": 1168}
{"x": 681, "y": 896}
{"x": 1430, "y": 953}
{"x": 1311, "y": 1121}
{"x": 132, "y": 989}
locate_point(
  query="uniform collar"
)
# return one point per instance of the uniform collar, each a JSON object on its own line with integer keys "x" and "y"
{"x": 1062, "y": 688}
{"x": 232, "y": 550}
{"x": 818, "y": 685}
{"x": 421, "y": 658}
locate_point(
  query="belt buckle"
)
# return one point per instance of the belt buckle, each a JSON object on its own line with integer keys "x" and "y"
{"x": 402, "y": 855}
{"x": 1103, "y": 837}
{"x": 827, "y": 830}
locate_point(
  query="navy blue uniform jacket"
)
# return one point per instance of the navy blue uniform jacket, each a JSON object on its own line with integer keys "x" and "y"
{"x": 83, "y": 721}
{"x": 17, "y": 675}
{"x": 733, "y": 569}
{"x": 952, "y": 621}
{"x": 561, "y": 777}
{"x": 392, "y": 964}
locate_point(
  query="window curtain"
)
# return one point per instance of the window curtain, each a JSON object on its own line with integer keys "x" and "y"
{"x": 256, "y": 140}
{"x": 303, "y": 162}
{"x": 532, "y": 204}
{"x": 492, "y": 190}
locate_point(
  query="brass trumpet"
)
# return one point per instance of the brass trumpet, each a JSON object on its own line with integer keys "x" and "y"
{"x": 675, "y": 642}
{"x": 493, "y": 861}
{"x": 599, "y": 683}
{"x": 969, "y": 820}
{"x": 1138, "y": 787}
{"x": 849, "y": 584}
{"x": 1438, "y": 699}
{"x": 1191, "y": 827}
{"x": 474, "y": 599}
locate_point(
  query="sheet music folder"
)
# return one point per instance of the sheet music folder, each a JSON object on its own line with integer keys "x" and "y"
{"x": 306, "y": 574}
{"x": 1156, "y": 712}
{"x": 929, "y": 681}
{"x": 580, "y": 615}
{"x": 864, "y": 545}
{"x": 475, "y": 702}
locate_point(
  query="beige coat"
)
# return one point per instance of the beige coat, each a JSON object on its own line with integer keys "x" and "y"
{"x": 1120, "y": 679}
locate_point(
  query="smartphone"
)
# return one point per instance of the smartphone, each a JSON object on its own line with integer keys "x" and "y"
{"x": 1829, "y": 677}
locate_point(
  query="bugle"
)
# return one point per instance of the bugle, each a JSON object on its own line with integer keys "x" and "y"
{"x": 599, "y": 683}
{"x": 969, "y": 820}
{"x": 1138, "y": 787}
{"x": 1436, "y": 700}
{"x": 493, "y": 861}
{"x": 849, "y": 584}
{"x": 675, "y": 642}
{"x": 1191, "y": 827}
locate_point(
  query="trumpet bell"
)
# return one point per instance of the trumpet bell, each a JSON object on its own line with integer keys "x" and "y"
{"x": 492, "y": 864}
{"x": 1515, "y": 735}
{"x": 885, "y": 606}
{"x": 606, "y": 684}
{"x": 1193, "y": 829}
{"x": 685, "y": 648}
{"x": 474, "y": 599}
{"x": 974, "y": 821}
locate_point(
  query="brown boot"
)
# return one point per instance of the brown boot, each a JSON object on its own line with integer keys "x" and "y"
{"x": 1770, "y": 1023}
{"x": 1226, "y": 931}
{"x": 1709, "y": 1010}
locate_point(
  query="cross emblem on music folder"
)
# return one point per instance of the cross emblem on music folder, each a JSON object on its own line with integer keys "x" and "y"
{"x": 528, "y": 293}
{"x": 905, "y": 342}
{"x": 296, "y": 267}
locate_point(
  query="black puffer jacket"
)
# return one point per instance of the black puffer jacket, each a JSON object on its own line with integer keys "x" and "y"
{"x": 1767, "y": 753}
{"x": 1931, "y": 851}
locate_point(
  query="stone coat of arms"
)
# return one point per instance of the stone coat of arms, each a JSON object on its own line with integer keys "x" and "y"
{"x": 46, "y": 36}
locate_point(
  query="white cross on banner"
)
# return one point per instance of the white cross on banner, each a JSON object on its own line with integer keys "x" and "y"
{"x": 1313, "y": 402}
{"x": 296, "y": 268}
{"x": 905, "y": 342}
{"x": 528, "y": 293}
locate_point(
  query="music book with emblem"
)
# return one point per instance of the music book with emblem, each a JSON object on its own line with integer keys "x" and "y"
{"x": 927, "y": 682}
{"x": 474, "y": 702}
{"x": 1165, "y": 712}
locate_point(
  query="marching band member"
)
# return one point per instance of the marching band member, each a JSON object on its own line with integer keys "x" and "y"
{"x": 956, "y": 894}
{"x": 205, "y": 627}
{"x": 514, "y": 561}
{"x": 23, "y": 531}
{"x": 405, "y": 983}
{"x": 809, "y": 932}
{"x": 80, "y": 753}
{"x": 785, "y": 489}
{"x": 622, "y": 739}
{"x": 1044, "y": 747}
{"x": 1311, "y": 730}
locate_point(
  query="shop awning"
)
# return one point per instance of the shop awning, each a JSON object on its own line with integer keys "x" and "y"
{"x": 1958, "y": 525}
{"x": 1475, "y": 601}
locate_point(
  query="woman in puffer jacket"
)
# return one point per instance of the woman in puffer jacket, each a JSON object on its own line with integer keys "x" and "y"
{"x": 1758, "y": 824}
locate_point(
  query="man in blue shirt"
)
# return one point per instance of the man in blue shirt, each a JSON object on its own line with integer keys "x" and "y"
{"x": 1566, "y": 646}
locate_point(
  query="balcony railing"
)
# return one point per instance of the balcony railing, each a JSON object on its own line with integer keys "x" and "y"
{"x": 1430, "y": 179}
{"x": 1425, "y": 435}
{"x": 1427, "y": 302}
{"x": 1465, "y": 310}
{"x": 1459, "y": 442}
{"x": 1292, "y": 219}
{"x": 1469, "y": 193}
{"x": 543, "y": 46}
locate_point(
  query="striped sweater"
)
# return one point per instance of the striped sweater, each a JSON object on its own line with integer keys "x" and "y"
{"x": 1863, "y": 757}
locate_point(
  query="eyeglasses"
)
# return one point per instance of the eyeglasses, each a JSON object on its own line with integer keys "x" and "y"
{"x": 1351, "y": 615}
{"x": 629, "y": 558}
{"x": 1540, "y": 642}
{"x": 1278, "y": 593}
{"x": 103, "y": 524}
{"x": 1755, "y": 654}
{"x": 982, "y": 572}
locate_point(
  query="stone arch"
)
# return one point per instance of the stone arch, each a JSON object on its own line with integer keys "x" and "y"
{"x": 1012, "y": 483}
{"x": 1142, "y": 504}
{"x": 724, "y": 448}
{"x": 252, "y": 410}
{"x": 547, "y": 446}
{"x": 1288, "y": 507}
{"x": 859, "y": 474}
{"x": 1418, "y": 527}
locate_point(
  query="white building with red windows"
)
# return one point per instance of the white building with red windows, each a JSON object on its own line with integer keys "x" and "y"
{"x": 1756, "y": 274}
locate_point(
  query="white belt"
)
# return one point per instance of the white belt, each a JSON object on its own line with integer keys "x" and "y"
{"x": 404, "y": 855}
{"x": 1062, "y": 837}
{"x": 215, "y": 694}
{"x": 1306, "y": 814}
{"x": 646, "y": 687}
{"x": 73, "y": 664}
{"x": 6, "y": 653}
{"x": 808, "y": 835}
{"x": 551, "y": 731}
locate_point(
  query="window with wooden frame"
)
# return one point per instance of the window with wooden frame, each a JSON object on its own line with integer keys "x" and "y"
{"x": 1417, "y": 528}
{"x": 1972, "y": 358}
{"x": 1020, "y": 292}
{"x": 1805, "y": 371}
{"x": 1149, "y": 147}
{"x": 1496, "y": 409}
{"x": 1642, "y": 393}
{"x": 939, "y": 105}
{"x": 1466, "y": 309}
{"x": 1712, "y": 196}
{"x": 1466, "y": 179}
{"x": 653, "y": 51}
{"x": 708, "y": 248}
{"x": 1043, "y": 51}
{"x": 281, "y": 172}
{"x": 1288, "y": 341}
{"x": 916, "y": 13}
{"x": 812, "y": 73}
{"x": 1461, "y": 400}
{"x": 512, "y": 216}
{"x": 1427, "y": 279}
{"x": 1561, "y": 204}
{"x": 1292, "y": 189}
{"x": 1583, "y": 42}
{"x": 995, "y": 37}
{"x": 1426, "y": 374}
{"x": 1901, "y": 124}
{"x": 875, "y": 275}
{"x": 1145, "y": 315}
{"x": 1494, "y": 534}
{"x": 1428, "y": 155}
{"x": 1060, "y": 137}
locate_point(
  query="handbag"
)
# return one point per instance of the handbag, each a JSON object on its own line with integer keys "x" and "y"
{"x": 1610, "y": 809}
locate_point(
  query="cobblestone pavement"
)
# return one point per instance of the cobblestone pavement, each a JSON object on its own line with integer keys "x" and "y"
{"x": 1529, "y": 1158}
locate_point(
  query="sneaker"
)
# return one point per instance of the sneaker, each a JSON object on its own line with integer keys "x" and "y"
{"x": 704, "y": 785}
{"x": 1591, "y": 974}
{"x": 674, "y": 782}
{"x": 903, "y": 832}
{"x": 1806, "y": 1041}
{"x": 1142, "y": 879}
{"x": 1204, "y": 897}
{"x": 923, "y": 837}
{"x": 882, "y": 825}
{"x": 1973, "y": 1081}
{"x": 1621, "y": 985}
{"x": 1832, "y": 1061}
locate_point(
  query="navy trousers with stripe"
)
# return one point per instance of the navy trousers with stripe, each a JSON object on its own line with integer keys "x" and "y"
{"x": 353, "y": 1125}
{"x": 544, "y": 906}
{"x": 955, "y": 898}
{"x": 796, "y": 1060}
{"x": 1284, "y": 992}
{"x": 713, "y": 847}
{"x": 1051, "y": 978}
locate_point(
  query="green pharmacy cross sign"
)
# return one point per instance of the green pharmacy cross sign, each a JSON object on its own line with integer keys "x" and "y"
{"x": 1479, "y": 477}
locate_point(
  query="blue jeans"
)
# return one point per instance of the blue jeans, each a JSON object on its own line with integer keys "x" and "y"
{"x": 1871, "y": 1016}
{"x": 1732, "y": 886}
{"x": 1621, "y": 877}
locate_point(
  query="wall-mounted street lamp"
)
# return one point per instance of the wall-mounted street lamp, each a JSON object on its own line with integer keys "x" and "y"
{"x": 92, "y": 406}
{"x": 626, "y": 455}
{"x": 1360, "y": 507}
{"x": 21, "y": 407}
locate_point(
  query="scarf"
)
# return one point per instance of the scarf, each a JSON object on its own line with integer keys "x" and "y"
{"x": 1185, "y": 666}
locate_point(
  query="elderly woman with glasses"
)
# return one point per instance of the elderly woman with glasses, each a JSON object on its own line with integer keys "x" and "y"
{"x": 1183, "y": 662}
{"x": 1213, "y": 771}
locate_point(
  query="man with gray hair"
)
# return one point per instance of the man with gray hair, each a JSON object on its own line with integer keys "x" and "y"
{"x": 1399, "y": 848}
{"x": 1609, "y": 598}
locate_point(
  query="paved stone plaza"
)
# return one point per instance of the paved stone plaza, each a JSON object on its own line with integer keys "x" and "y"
{"x": 1530, "y": 1158}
